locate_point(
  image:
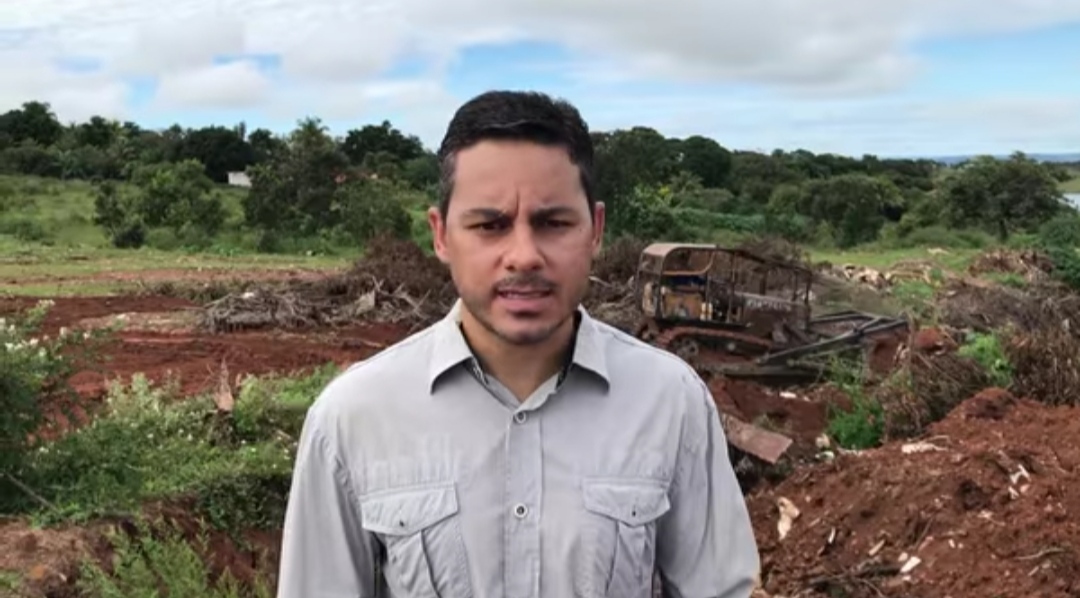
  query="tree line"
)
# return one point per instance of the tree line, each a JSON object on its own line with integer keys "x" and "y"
{"x": 308, "y": 183}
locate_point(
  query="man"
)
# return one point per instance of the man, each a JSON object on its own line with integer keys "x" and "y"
{"x": 518, "y": 448}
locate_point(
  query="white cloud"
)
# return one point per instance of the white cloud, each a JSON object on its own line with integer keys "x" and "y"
{"x": 166, "y": 44}
{"x": 238, "y": 84}
{"x": 833, "y": 59}
{"x": 339, "y": 45}
{"x": 74, "y": 96}
{"x": 881, "y": 126}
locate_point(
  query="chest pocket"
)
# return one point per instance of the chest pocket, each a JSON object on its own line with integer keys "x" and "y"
{"x": 425, "y": 550}
{"x": 621, "y": 518}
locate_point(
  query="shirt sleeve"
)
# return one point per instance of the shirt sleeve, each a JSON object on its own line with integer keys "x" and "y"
{"x": 325, "y": 553}
{"x": 705, "y": 543}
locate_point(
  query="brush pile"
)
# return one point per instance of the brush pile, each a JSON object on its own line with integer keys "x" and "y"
{"x": 397, "y": 282}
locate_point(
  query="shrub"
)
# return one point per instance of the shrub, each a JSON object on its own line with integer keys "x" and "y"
{"x": 34, "y": 370}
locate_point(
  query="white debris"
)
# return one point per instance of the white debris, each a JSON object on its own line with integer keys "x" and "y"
{"x": 788, "y": 514}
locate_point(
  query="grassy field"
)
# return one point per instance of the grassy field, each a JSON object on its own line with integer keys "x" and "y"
{"x": 1071, "y": 186}
{"x": 61, "y": 212}
{"x": 47, "y": 231}
{"x": 36, "y": 269}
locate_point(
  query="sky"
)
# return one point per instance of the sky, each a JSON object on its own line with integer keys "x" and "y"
{"x": 897, "y": 78}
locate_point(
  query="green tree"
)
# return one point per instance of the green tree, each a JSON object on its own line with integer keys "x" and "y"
{"x": 293, "y": 192}
{"x": 178, "y": 196}
{"x": 381, "y": 138}
{"x": 706, "y": 159}
{"x": 220, "y": 149}
{"x": 853, "y": 205}
{"x": 646, "y": 213}
{"x": 1002, "y": 196}
{"x": 117, "y": 213}
{"x": 626, "y": 159}
{"x": 370, "y": 208}
{"x": 34, "y": 122}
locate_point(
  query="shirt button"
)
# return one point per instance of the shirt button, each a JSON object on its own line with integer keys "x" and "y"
{"x": 520, "y": 511}
{"x": 520, "y": 417}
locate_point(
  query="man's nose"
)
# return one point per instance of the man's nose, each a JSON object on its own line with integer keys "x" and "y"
{"x": 523, "y": 252}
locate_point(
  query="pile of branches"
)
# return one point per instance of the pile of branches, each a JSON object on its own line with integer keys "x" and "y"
{"x": 777, "y": 249}
{"x": 984, "y": 308}
{"x": 396, "y": 282}
{"x": 925, "y": 389}
{"x": 611, "y": 287}
{"x": 1046, "y": 364}
{"x": 1031, "y": 264}
{"x": 618, "y": 262}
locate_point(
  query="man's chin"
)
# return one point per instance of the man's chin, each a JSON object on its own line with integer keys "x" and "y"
{"x": 525, "y": 333}
{"x": 523, "y": 328}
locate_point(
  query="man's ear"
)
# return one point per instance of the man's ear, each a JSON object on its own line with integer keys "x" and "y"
{"x": 438, "y": 233}
{"x": 599, "y": 214}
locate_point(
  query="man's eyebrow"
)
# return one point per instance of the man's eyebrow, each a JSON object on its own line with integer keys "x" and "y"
{"x": 497, "y": 214}
{"x": 484, "y": 213}
{"x": 551, "y": 212}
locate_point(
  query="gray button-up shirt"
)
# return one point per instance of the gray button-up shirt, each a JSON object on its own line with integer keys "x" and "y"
{"x": 419, "y": 476}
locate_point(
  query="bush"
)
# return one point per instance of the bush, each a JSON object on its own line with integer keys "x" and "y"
{"x": 863, "y": 424}
{"x": 894, "y": 236}
{"x": 1061, "y": 231}
{"x": 1059, "y": 237}
{"x": 34, "y": 370}
{"x": 162, "y": 562}
{"x": 989, "y": 352}
{"x": 149, "y": 446}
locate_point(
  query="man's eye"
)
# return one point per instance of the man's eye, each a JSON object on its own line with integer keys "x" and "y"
{"x": 489, "y": 226}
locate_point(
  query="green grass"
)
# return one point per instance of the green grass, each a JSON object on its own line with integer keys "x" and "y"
{"x": 1071, "y": 185}
{"x": 954, "y": 260}
{"x": 10, "y": 582}
{"x": 28, "y": 259}
{"x": 149, "y": 446}
{"x": 47, "y": 234}
{"x": 231, "y": 474}
{"x": 28, "y": 268}
{"x": 61, "y": 212}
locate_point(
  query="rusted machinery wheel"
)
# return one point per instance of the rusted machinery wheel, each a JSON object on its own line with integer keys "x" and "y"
{"x": 648, "y": 331}
{"x": 686, "y": 348}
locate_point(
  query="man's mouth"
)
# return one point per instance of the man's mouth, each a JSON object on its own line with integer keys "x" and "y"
{"x": 524, "y": 293}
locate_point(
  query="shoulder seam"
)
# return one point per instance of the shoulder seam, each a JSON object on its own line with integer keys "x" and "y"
{"x": 391, "y": 350}
{"x": 628, "y": 340}
{"x": 340, "y": 469}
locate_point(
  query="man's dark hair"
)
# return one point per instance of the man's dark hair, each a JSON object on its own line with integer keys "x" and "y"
{"x": 518, "y": 115}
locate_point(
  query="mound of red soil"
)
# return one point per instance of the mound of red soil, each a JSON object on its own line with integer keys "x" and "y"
{"x": 800, "y": 414}
{"x": 987, "y": 502}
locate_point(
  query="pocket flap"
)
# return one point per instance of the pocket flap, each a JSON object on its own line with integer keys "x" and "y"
{"x": 407, "y": 511}
{"x": 632, "y": 502}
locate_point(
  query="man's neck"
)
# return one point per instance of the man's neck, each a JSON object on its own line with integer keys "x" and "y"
{"x": 521, "y": 369}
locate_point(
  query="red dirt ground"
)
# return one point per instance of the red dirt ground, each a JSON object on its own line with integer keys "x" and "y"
{"x": 158, "y": 341}
{"x": 178, "y": 275}
{"x": 50, "y": 559}
{"x": 798, "y": 413}
{"x": 980, "y": 527}
{"x": 951, "y": 508}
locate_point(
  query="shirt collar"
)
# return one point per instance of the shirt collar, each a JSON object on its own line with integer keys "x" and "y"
{"x": 449, "y": 348}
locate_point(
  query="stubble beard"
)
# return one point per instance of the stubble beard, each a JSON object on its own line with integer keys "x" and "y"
{"x": 526, "y": 338}
{"x": 480, "y": 310}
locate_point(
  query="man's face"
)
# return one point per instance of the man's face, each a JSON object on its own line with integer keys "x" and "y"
{"x": 518, "y": 237}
